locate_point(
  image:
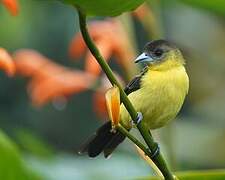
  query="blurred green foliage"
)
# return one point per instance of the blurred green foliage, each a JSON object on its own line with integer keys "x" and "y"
{"x": 33, "y": 144}
{"x": 12, "y": 166}
{"x": 215, "y": 6}
{"x": 196, "y": 175}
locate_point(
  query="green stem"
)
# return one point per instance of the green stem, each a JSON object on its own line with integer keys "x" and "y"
{"x": 133, "y": 139}
{"x": 158, "y": 160}
{"x": 141, "y": 146}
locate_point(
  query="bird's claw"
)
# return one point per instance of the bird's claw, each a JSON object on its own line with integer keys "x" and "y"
{"x": 139, "y": 118}
{"x": 156, "y": 151}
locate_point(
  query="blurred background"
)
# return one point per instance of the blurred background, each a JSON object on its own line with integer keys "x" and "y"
{"x": 47, "y": 111}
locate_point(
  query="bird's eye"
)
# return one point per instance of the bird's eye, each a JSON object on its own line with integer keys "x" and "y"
{"x": 158, "y": 53}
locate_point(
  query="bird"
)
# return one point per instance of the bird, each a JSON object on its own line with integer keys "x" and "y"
{"x": 157, "y": 92}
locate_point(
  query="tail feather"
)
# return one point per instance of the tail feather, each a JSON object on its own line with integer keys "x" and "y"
{"x": 112, "y": 145}
{"x": 103, "y": 140}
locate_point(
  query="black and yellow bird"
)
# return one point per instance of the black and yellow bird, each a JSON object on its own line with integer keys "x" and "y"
{"x": 158, "y": 92}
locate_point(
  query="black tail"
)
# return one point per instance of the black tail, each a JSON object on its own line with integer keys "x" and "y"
{"x": 104, "y": 140}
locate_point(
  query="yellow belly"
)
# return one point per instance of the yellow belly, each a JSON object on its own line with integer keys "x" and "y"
{"x": 160, "y": 97}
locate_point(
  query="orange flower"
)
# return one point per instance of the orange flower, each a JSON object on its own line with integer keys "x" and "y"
{"x": 12, "y": 6}
{"x": 99, "y": 104}
{"x": 6, "y": 62}
{"x": 113, "y": 105}
{"x": 29, "y": 62}
{"x": 63, "y": 84}
{"x": 48, "y": 79}
{"x": 111, "y": 39}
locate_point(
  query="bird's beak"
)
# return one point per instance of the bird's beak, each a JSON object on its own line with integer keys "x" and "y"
{"x": 143, "y": 58}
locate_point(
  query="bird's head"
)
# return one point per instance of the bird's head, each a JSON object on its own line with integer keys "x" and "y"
{"x": 161, "y": 55}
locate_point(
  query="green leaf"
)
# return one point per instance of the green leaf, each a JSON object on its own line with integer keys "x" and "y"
{"x": 33, "y": 144}
{"x": 11, "y": 164}
{"x": 215, "y": 6}
{"x": 105, "y": 7}
{"x": 196, "y": 175}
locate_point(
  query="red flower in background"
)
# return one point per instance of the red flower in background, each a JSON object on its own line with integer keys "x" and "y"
{"x": 147, "y": 18}
{"x": 111, "y": 39}
{"x": 141, "y": 12}
{"x": 12, "y": 6}
{"x": 48, "y": 79}
{"x": 99, "y": 101}
{"x": 6, "y": 62}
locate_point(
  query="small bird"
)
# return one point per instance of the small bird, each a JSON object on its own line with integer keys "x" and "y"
{"x": 158, "y": 93}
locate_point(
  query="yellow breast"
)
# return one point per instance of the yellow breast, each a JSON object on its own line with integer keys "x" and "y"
{"x": 160, "y": 97}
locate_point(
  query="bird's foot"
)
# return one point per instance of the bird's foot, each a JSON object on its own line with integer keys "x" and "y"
{"x": 155, "y": 152}
{"x": 139, "y": 118}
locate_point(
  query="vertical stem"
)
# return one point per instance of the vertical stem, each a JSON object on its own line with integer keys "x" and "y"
{"x": 158, "y": 160}
{"x": 133, "y": 139}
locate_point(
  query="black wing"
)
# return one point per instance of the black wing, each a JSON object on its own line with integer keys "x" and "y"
{"x": 135, "y": 83}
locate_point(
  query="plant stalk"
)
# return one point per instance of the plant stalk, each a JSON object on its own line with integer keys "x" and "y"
{"x": 158, "y": 160}
{"x": 133, "y": 139}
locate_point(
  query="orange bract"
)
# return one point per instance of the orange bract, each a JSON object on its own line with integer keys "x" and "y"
{"x": 6, "y": 62}
{"x": 12, "y": 6}
{"x": 111, "y": 39}
{"x": 48, "y": 79}
{"x": 113, "y": 105}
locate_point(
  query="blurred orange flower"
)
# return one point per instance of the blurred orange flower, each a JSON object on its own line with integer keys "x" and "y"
{"x": 111, "y": 39}
{"x": 145, "y": 15}
{"x": 99, "y": 101}
{"x": 6, "y": 62}
{"x": 141, "y": 12}
{"x": 48, "y": 79}
{"x": 12, "y": 6}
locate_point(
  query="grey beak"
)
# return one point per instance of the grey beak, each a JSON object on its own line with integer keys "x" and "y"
{"x": 143, "y": 58}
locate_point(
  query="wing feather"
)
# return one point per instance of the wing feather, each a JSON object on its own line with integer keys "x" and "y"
{"x": 135, "y": 83}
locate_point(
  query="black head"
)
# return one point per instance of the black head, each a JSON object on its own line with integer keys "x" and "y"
{"x": 158, "y": 48}
{"x": 156, "y": 51}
